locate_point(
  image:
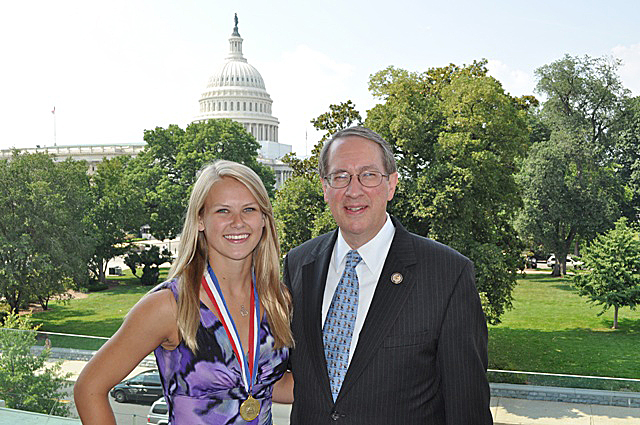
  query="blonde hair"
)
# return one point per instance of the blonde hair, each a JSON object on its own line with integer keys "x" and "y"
{"x": 192, "y": 257}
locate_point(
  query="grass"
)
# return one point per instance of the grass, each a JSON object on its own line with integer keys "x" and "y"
{"x": 551, "y": 329}
{"x": 100, "y": 314}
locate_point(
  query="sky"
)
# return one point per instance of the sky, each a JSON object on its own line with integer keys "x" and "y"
{"x": 113, "y": 69}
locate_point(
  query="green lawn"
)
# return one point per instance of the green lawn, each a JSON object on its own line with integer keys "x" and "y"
{"x": 100, "y": 314}
{"x": 552, "y": 329}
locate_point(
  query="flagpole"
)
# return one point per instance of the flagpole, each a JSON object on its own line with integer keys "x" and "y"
{"x": 54, "y": 125}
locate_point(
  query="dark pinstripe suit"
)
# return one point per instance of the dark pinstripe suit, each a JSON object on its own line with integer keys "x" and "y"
{"x": 422, "y": 352}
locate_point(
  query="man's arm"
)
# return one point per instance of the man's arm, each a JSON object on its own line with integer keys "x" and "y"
{"x": 462, "y": 355}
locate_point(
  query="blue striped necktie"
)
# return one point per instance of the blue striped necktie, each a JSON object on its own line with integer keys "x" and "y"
{"x": 338, "y": 326}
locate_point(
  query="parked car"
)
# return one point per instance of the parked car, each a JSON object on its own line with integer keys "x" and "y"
{"x": 145, "y": 386}
{"x": 551, "y": 261}
{"x": 158, "y": 413}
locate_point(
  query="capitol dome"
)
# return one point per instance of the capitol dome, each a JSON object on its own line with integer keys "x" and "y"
{"x": 236, "y": 73}
{"x": 237, "y": 91}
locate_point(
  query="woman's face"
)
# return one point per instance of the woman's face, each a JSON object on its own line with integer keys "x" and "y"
{"x": 231, "y": 221}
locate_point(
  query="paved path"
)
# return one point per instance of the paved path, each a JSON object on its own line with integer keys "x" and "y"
{"x": 507, "y": 411}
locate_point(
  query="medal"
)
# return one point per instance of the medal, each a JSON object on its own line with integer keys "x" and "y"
{"x": 250, "y": 408}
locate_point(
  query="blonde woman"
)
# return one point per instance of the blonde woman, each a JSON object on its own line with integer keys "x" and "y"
{"x": 219, "y": 327}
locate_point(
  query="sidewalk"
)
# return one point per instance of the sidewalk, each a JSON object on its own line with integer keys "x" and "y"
{"x": 508, "y": 411}
{"x": 505, "y": 410}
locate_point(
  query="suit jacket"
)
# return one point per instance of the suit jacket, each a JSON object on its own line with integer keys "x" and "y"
{"x": 421, "y": 356}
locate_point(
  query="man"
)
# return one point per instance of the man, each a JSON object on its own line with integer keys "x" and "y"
{"x": 416, "y": 350}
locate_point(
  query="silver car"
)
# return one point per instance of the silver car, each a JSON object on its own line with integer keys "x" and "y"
{"x": 158, "y": 413}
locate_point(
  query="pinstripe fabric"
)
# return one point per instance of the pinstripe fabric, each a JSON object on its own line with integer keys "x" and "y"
{"x": 422, "y": 352}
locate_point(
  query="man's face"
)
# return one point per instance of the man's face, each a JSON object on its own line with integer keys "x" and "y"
{"x": 359, "y": 211}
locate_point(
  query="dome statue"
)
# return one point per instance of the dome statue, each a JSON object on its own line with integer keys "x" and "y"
{"x": 237, "y": 91}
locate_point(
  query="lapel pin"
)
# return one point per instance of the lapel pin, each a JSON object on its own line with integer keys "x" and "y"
{"x": 396, "y": 278}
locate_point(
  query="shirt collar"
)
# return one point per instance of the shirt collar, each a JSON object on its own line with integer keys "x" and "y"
{"x": 373, "y": 252}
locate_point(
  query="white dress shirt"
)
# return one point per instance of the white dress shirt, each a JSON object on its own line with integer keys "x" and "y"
{"x": 373, "y": 253}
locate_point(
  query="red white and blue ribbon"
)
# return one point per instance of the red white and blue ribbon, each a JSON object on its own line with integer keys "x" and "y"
{"x": 248, "y": 367}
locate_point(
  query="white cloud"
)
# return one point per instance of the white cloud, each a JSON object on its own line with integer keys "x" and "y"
{"x": 630, "y": 70}
{"x": 514, "y": 81}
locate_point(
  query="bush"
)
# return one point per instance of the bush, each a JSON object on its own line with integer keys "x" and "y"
{"x": 27, "y": 381}
{"x": 95, "y": 286}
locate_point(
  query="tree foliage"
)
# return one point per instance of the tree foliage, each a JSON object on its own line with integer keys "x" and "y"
{"x": 296, "y": 206}
{"x": 569, "y": 182}
{"x": 458, "y": 138}
{"x": 613, "y": 261}
{"x": 26, "y": 381}
{"x": 44, "y": 240}
{"x": 150, "y": 258}
{"x": 565, "y": 194}
{"x": 584, "y": 97}
{"x": 168, "y": 166}
{"x": 626, "y": 153}
{"x": 115, "y": 213}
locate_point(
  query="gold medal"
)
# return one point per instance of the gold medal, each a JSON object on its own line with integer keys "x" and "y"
{"x": 250, "y": 409}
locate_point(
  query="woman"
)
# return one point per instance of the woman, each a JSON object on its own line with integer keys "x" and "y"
{"x": 219, "y": 326}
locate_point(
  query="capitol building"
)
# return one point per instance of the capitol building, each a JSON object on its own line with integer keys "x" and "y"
{"x": 235, "y": 90}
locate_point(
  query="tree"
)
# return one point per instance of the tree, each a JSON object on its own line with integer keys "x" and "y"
{"x": 26, "y": 382}
{"x": 116, "y": 212}
{"x": 167, "y": 168}
{"x": 340, "y": 116}
{"x": 458, "y": 138}
{"x": 585, "y": 98}
{"x": 613, "y": 259}
{"x": 44, "y": 240}
{"x": 150, "y": 259}
{"x": 626, "y": 152}
{"x": 297, "y": 204}
{"x": 565, "y": 194}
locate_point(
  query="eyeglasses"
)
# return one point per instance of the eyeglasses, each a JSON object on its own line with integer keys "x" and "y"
{"x": 366, "y": 178}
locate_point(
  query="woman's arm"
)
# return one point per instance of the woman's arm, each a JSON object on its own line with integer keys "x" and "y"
{"x": 283, "y": 389}
{"x": 150, "y": 323}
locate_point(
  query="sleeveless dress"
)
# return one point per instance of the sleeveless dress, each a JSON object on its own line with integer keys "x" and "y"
{"x": 206, "y": 387}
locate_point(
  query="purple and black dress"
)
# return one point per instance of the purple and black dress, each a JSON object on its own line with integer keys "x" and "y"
{"x": 206, "y": 387}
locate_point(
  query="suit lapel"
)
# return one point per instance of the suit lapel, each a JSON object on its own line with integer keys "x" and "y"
{"x": 314, "y": 279}
{"x": 387, "y": 301}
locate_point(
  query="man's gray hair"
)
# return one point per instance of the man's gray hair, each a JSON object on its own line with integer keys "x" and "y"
{"x": 388, "y": 161}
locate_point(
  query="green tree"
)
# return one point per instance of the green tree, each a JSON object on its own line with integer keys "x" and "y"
{"x": 323, "y": 223}
{"x": 613, "y": 261}
{"x": 167, "y": 168}
{"x": 565, "y": 194}
{"x": 296, "y": 206}
{"x": 626, "y": 152}
{"x": 44, "y": 240}
{"x": 585, "y": 98}
{"x": 150, "y": 259}
{"x": 458, "y": 138}
{"x": 116, "y": 212}
{"x": 26, "y": 381}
